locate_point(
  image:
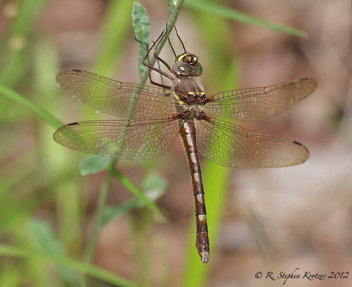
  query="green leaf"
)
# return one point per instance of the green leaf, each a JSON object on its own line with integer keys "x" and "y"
{"x": 136, "y": 191}
{"x": 243, "y": 17}
{"x": 94, "y": 164}
{"x": 113, "y": 212}
{"x": 44, "y": 240}
{"x": 153, "y": 186}
{"x": 141, "y": 30}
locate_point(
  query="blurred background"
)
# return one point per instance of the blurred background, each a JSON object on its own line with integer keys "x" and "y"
{"x": 260, "y": 220}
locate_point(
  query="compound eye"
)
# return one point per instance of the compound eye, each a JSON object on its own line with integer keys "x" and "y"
{"x": 198, "y": 68}
{"x": 184, "y": 69}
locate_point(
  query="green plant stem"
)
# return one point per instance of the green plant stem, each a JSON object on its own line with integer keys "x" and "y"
{"x": 170, "y": 25}
{"x": 103, "y": 196}
{"x": 117, "y": 174}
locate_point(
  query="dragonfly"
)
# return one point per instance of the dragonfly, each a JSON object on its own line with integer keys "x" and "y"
{"x": 151, "y": 117}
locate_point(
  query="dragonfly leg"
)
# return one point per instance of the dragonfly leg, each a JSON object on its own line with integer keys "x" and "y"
{"x": 146, "y": 63}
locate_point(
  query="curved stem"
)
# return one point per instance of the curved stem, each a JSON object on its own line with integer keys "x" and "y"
{"x": 170, "y": 25}
{"x": 103, "y": 196}
{"x": 108, "y": 180}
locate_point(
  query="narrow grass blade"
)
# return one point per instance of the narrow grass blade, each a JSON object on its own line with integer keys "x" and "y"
{"x": 87, "y": 269}
{"x": 239, "y": 16}
{"x": 31, "y": 106}
{"x": 114, "y": 33}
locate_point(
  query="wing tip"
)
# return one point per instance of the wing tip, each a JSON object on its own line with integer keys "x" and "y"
{"x": 58, "y": 133}
{"x": 305, "y": 151}
{"x": 312, "y": 82}
{"x": 67, "y": 71}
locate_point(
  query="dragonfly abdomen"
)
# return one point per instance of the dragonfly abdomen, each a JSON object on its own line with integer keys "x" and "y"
{"x": 188, "y": 136}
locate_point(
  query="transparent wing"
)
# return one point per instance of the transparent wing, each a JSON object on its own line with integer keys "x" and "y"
{"x": 257, "y": 104}
{"x": 135, "y": 139}
{"x": 234, "y": 146}
{"x": 115, "y": 98}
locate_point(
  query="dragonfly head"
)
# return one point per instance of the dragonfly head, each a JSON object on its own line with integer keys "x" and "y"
{"x": 187, "y": 65}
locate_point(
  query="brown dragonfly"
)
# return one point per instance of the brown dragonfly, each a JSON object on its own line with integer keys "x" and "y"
{"x": 153, "y": 116}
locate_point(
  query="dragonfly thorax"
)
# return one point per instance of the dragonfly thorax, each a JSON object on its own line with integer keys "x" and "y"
{"x": 187, "y": 65}
{"x": 194, "y": 112}
{"x": 189, "y": 91}
{"x": 196, "y": 99}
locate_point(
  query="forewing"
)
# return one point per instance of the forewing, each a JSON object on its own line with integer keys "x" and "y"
{"x": 257, "y": 104}
{"x": 134, "y": 139}
{"x": 234, "y": 146}
{"x": 114, "y": 97}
